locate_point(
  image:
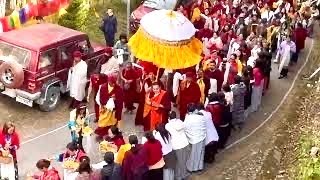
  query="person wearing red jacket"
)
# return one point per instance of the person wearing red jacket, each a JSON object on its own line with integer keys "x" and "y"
{"x": 155, "y": 161}
{"x": 49, "y": 173}
{"x": 10, "y": 142}
{"x": 221, "y": 116}
{"x": 216, "y": 110}
{"x": 299, "y": 36}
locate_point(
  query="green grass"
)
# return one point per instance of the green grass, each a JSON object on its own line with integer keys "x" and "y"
{"x": 97, "y": 11}
{"x": 100, "y": 8}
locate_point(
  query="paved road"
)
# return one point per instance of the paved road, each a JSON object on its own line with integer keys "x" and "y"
{"x": 43, "y": 134}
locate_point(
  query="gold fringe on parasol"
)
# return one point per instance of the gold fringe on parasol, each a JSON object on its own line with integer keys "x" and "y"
{"x": 165, "y": 54}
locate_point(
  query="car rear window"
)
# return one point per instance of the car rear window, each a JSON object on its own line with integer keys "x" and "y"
{"x": 7, "y": 51}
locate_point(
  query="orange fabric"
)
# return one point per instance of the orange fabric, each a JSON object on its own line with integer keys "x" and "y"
{"x": 155, "y": 113}
{"x": 202, "y": 87}
{"x": 239, "y": 66}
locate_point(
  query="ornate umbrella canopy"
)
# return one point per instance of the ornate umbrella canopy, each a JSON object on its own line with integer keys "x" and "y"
{"x": 166, "y": 38}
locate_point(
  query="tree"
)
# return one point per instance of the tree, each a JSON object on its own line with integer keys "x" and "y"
{"x": 76, "y": 16}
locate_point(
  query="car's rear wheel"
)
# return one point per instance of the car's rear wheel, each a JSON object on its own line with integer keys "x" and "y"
{"x": 51, "y": 100}
{"x": 11, "y": 74}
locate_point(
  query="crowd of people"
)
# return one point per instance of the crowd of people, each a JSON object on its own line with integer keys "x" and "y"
{"x": 187, "y": 114}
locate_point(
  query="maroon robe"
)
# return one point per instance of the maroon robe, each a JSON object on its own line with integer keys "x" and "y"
{"x": 130, "y": 90}
{"x": 218, "y": 7}
{"x": 149, "y": 67}
{"x": 117, "y": 93}
{"x": 226, "y": 37}
{"x": 232, "y": 72}
{"x": 187, "y": 95}
{"x": 189, "y": 69}
{"x": 300, "y": 35}
{"x": 216, "y": 110}
{"x": 199, "y": 24}
{"x": 215, "y": 74}
{"x": 204, "y": 33}
{"x": 134, "y": 165}
{"x": 96, "y": 80}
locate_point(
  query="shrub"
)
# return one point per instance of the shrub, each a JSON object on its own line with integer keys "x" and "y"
{"x": 77, "y": 15}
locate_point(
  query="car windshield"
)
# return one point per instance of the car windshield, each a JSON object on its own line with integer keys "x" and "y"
{"x": 160, "y": 4}
{"x": 20, "y": 55}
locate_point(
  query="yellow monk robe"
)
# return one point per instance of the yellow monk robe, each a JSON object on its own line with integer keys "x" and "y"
{"x": 107, "y": 117}
{"x": 196, "y": 15}
{"x": 122, "y": 150}
{"x": 240, "y": 67}
{"x": 202, "y": 87}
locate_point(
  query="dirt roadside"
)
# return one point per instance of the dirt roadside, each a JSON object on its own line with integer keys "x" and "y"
{"x": 270, "y": 153}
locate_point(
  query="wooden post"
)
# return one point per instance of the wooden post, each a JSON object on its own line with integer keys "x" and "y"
{"x": 158, "y": 72}
{"x": 128, "y": 17}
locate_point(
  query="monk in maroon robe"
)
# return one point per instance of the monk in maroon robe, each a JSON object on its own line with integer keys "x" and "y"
{"x": 196, "y": 19}
{"x": 107, "y": 91}
{"x": 189, "y": 92}
{"x": 217, "y": 7}
{"x": 95, "y": 81}
{"x": 131, "y": 82}
{"x": 299, "y": 35}
{"x": 204, "y": 33}
{"x": 213, "y": 72}
{"x": 233, "y": 71}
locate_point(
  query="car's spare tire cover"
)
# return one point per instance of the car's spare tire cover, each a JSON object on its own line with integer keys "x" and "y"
{"x": 11, "y": 74}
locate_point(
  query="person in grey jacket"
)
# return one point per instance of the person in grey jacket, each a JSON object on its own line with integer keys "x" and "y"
{"x": 121, "y": 49}
{"x": 111, "y": 171}
{"x": 239, "y": 90}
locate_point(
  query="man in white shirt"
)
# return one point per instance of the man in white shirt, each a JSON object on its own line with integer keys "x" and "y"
{"x": 77, "y": 80}
{"x": 212, "y": 136}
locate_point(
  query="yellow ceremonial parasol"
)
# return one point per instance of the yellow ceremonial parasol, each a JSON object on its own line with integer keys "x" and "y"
{"x": 166, "y": 38}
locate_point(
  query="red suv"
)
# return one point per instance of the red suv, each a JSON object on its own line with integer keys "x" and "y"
{"x": 34, "y": 62}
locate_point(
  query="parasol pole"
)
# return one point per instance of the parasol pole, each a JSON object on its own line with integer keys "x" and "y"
{"x": 158, "y": 72}
{"x": 128, "y": 17}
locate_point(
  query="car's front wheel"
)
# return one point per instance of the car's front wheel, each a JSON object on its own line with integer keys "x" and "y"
{"x": 51, "y": 100}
